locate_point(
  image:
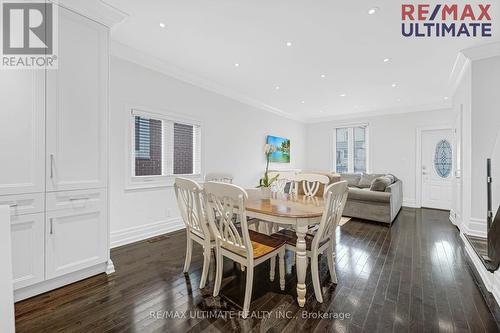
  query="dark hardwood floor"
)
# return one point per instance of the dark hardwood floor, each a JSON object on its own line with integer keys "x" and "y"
{"x": 411, "y": 277}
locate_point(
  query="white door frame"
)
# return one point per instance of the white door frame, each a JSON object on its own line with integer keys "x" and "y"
{"x": 418, "y": 159}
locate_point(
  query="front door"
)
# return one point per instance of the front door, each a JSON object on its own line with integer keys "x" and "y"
{"x": 437, "y": 168}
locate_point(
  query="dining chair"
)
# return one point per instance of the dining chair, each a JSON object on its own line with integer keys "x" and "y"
{"x": 189, "y": 199}
{"x": 223, "y": 204}
{"x": 219, "y": 177}
{"x": 324, "y": 238}
{"x": 311, "y": 183}
{"x": 282, "y": 184}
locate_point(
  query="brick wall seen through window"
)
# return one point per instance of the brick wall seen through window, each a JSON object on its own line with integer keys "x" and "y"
{"x": 183, "y": 149}
{"x": 148, "y": 147}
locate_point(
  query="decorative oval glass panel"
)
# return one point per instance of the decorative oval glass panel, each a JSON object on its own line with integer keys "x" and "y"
{"x": 443, "y": 159}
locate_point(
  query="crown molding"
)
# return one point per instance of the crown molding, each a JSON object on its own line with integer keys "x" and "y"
{"x": 482, "y": 52}
{"x": 382, "y": 112}
{"x": 96, "y": 10}
{"x": 133, "y": 55}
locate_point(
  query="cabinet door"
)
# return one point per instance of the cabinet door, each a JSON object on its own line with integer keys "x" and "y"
{"x": 22, "y": 131}
{"x": 76, "y": 239}
{"x": 77, "y": 106}
{"x": 27, "y": 249}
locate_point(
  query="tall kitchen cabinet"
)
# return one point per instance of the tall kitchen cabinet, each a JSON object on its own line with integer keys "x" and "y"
{"x": 54, "y": 151}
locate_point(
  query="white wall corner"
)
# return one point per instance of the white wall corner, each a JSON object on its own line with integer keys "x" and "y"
{"x": 145, "y": 231}
{"x": 457, "y": 73}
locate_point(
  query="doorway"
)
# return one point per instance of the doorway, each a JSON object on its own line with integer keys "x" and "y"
{"x": 436, "y": 168}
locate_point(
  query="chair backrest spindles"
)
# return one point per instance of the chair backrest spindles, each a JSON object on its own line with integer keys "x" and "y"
{"x": 189, "y": 199}
{"x": 225, "y": 205}
{"x": 311, "y": 183}
{"x": 335, "y": 199}
{"x": 219, "y": 177}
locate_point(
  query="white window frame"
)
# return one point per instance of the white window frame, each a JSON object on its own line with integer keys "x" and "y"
{"x": 167, "y": 179}
{"x": 350, "y": 146}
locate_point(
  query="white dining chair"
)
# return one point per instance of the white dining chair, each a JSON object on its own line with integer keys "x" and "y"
{"x": 324, "y": 238}
{"x": 224, "y": 203}
{"x": 219, "y": 177}
{"x": 310, "y": 183}
{"x": 280, "y": 184}
{"x": 190, "y": 202}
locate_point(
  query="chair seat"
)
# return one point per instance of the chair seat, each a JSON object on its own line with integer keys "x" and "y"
{"x": 290, "y": 237}
{"x": 262, "y": 244}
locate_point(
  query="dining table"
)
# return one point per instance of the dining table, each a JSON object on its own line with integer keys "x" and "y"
{"x": 296, "y": 211}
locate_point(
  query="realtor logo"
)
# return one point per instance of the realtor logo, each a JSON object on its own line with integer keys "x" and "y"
{"x": 446, "y": 20}
{"x": 29, "y": 36}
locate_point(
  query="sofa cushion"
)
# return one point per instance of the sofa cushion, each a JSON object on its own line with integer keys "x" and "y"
{"x": 351, "y": 178}
{"x": 367, "y": 179}
{"x": 367, "y": 195}
{"x": 380, "y": 183}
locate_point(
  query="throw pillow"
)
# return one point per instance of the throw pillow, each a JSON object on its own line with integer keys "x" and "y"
{"x": 379, "y": 184}
{"x": 367, "y": 179}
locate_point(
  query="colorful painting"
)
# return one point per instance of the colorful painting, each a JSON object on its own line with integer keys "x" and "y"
{"x": 282, "y": 146}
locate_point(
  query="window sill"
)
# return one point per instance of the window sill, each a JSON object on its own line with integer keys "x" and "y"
{"x": 144, "y": 183}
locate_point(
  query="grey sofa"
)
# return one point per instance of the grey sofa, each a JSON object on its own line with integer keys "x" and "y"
{"x": 375, "y": 197}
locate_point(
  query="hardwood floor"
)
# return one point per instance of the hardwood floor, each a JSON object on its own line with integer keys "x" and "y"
{"x": 411, "y": 277}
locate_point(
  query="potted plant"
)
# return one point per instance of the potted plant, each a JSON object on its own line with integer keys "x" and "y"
{"x": 266, "y": 182}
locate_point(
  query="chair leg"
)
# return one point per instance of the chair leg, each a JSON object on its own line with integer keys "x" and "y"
{"x": 282, "y": 269}
{"x": 248, "y": 292}
{"x": 315, "y": 278}
{"x": 218, "y": 273}
{"x": 189, "y": 249}
{"x": 206, "y": 265}
{"x": 272, "y": 271}
{"x": 331, "y": 263}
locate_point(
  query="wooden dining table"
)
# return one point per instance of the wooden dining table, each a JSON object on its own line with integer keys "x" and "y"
{"x": 298, "y": 211}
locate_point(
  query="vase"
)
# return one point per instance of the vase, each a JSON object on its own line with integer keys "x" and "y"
{"x": 265, "y": 192}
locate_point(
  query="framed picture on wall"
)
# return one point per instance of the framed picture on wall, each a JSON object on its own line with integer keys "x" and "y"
{"x": 282, "y": 149}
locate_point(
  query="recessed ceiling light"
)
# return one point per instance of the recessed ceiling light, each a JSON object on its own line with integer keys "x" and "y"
{"x": 303, "y": 102}
{"x": 398, "y": 100}
{"x": 321, "y": 111}
{"x": 394, "y": 85}
{"x": 386, "y": 59}
{"x": 373, "y": 10}
{"x": 343, "y": 95}
{"x": 323, "y": 75}
{"x": 236, "y": 65}
{"x": 289, "y": 44}
{"x": 277, "y": 87}
{"x": 445, "y": 98}
{"x": 162, "y": 25}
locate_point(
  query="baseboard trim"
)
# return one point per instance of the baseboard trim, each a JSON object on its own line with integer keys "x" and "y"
{"x": 477, "y": 227}
{"x": 410, "y": 203}
{"x": 44, "y": 286}
{"x": 142, "y": 232}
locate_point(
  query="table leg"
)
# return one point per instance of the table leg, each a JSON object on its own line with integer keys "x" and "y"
{"x": 301, "y": 259}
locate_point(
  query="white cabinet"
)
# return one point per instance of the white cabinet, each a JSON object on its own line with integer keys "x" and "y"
{"x": 27, "y": 249}
{"x": 53, "y": 160}
{"x": 77, "y": 106}
{"x": 76, "y": 238}
{"x": 22, "y": 131}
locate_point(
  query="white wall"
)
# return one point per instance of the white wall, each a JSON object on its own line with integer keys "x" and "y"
{"x": 234, "y": 136}
{"x": 485, "y": 124}
{"x": 392, "y": 144}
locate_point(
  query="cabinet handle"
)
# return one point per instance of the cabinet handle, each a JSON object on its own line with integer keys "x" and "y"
{"x": 51, "y": 166}
{"x": 51, "y": 226}
{"x": 13, "y": 205}
{"x": 74, "y": 199}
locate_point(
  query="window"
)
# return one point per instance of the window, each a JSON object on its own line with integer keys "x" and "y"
{"x": 351, "y": 149}
{"x": 443, "y": 159}
{"x": 163, "y": 147}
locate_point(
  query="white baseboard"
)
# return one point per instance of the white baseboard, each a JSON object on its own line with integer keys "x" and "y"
{"x": 145, "y": 231}
{"x": 477, "y": 227}
{"x": 411, "y": 203}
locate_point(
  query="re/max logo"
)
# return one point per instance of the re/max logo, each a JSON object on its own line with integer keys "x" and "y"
{"x": 450, "y": 20}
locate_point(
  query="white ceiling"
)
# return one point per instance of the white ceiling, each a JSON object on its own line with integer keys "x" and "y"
{"x": 338, "y": 39}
